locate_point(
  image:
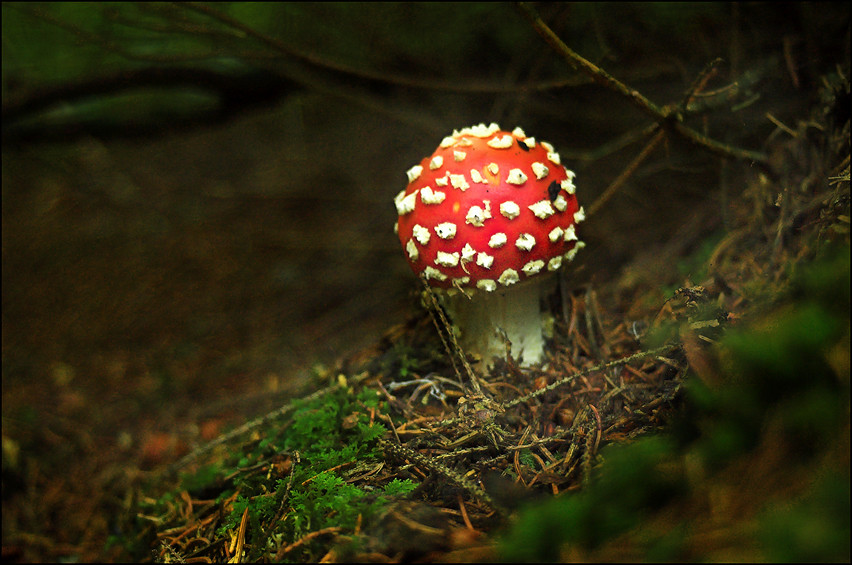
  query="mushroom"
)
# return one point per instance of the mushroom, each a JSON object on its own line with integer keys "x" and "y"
{"x": 485, "y": 219}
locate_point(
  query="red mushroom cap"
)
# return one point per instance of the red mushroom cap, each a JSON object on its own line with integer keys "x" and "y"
{"x": 488, "y": 208}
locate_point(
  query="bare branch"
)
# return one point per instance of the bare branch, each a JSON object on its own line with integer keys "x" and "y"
{"x": 667, "y": 117}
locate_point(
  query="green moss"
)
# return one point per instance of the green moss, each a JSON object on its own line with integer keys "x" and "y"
{"x": 326, "y": 433}
{"x": 325, "y": 437}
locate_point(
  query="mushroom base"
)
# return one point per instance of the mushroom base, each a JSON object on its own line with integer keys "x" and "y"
{"x": 515, "y": 311}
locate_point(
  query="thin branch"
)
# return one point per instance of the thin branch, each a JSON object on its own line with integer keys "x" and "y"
{"x": 404, "y": 452}
{"x": 456, "y": 349}
{"x": 699, "y": 83}
{"x": 305, "y": 539}
{"x": 627, "y": 173}
{"x": 667, "y": 117}
{"x": 597, "y": 74}
{"x": 608, "y": 148}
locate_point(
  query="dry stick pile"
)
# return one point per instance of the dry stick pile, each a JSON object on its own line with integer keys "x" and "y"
{"x": 541, "y": 426}
{"x": 560, "y": 413}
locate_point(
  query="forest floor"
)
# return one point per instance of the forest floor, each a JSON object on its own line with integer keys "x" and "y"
{"x": 168, "y": 397}
{"x": 407, "y": 450}
{"x": 400, "y": 453}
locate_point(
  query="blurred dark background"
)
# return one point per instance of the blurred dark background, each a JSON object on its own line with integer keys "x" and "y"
{"x": 197, "y": 199}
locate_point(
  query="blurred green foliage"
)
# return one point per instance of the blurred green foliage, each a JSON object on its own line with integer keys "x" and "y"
{"x": 635, "y": 479}
{"x": 814, "y": 529}
{"x": 695, "y": 266}
{"x": 56, "y": 44}
{"x": 59, "y": 42}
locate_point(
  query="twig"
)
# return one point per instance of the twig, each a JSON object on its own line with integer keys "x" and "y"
{"x": 463, "y": 511}
{"x": 614, "y": 145}
{"x": 404, "y": 452}
{"x": 700, "y": 82}
{"x": 303, "y": 540}
{"x": 626, "y": 173}
{"x": 241, "y": 538}
{"x": 455, "y": 350}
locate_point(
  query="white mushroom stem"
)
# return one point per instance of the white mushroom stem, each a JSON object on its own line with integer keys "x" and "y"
{"x": 516, "y": 310}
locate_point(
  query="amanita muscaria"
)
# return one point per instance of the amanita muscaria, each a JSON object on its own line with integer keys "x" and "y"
{"x": 491, "y": 214}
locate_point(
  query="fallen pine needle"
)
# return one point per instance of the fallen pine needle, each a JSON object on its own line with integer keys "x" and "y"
{"x": 301, "y": 541}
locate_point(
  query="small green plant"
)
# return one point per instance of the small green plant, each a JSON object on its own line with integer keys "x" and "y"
{"x": 327, "y": 500}
{"x": 399, "y": 487}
